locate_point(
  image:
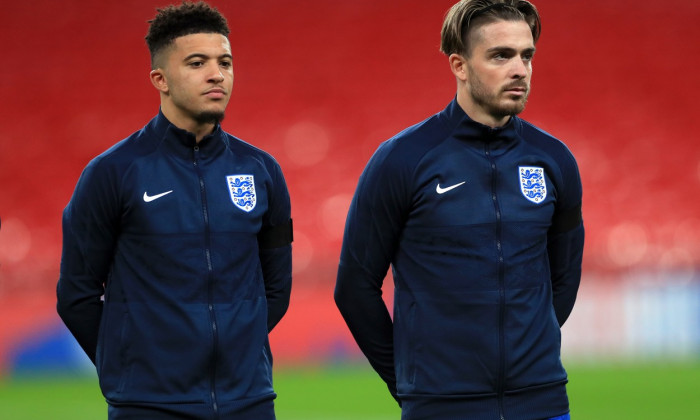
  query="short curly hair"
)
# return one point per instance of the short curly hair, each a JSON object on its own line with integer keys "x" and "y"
{"x": 466, "y": 15}
{"x": 188, "y": 18}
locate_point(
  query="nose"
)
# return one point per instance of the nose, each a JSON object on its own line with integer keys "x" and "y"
{"x": 216, "y": 75}
{"x": 520, "y": 68}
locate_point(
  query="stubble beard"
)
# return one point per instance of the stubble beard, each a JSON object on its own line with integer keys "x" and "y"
{"x": 209, "y": 117}
{"x": 199, "y": 116}
{"x": 491, "y": 103}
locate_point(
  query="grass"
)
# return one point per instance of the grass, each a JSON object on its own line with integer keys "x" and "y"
{"x": 340, "y": 393}
{"x": 597, "y": 392}
{"x": 635, "y": 391}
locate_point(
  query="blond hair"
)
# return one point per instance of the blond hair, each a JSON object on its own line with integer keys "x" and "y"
{"x": 470, "y": 14}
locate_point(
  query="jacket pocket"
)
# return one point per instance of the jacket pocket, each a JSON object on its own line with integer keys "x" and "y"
{"x": 125, "y": 370}
{"x": 112, "y": 349}
{"x": 405, "y": 342}
{"x": 411, "y": 356}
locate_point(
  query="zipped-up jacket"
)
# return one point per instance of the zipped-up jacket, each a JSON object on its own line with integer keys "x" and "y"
{"x": 483, "y": 231}
{"x": 176, "y": 264}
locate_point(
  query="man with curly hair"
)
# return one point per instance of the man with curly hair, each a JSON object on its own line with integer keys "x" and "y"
{"x": 478, "y": 213}
{"x": 177, "y": 245}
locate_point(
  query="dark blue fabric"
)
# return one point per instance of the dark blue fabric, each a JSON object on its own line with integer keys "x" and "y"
{"x": 241, "y": 410}
{"x": 482, "y": 281}
{"x": 162, "y": 280}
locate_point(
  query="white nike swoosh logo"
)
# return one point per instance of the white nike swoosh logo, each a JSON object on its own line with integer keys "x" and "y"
{"x": 148, "y": 198}
{"x": 444, "y": 190}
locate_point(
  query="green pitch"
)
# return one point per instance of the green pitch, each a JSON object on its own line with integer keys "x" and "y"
{"x": 597, "y": 392}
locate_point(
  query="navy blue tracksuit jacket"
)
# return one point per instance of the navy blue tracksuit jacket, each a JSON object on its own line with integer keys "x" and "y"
{"x": 483, "y": 230}
{"x": 176, "y": 264}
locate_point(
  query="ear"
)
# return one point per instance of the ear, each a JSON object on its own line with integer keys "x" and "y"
{"x": 458, "y": 65}
{"x": 159, "y": 80}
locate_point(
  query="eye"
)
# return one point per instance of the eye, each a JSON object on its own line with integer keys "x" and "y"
{"x": 226, "y": 64}
{"x": 502, "y": 55}
{"x": 196, "y": 64}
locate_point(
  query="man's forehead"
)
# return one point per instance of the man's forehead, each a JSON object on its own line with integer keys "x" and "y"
{"x": 506, "y": 33}
{"x": 204, "y": 44}
{"x": 202, "y": 40}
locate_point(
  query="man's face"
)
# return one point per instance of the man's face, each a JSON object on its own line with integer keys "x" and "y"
{"x": 198, "y": 71}
{"x": 499, "y": 68}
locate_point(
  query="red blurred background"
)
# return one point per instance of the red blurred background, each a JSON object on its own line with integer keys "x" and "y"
{"x": 319, "y": 84}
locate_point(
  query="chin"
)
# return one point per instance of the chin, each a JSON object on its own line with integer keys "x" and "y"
{"x": 210, "y": 117}
{"x": 514, "y": 108}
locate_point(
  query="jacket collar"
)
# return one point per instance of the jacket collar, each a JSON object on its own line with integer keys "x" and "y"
{"x": 464, "y": 128}
{"x": 183, "y": 143}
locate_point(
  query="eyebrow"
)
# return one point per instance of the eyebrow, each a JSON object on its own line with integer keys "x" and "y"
{"x": 509, "y": 49}
{"x": 204, "y": 56}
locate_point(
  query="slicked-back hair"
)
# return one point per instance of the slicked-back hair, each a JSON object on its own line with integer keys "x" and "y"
{"x": 188, "y": 18}
{"x": 467, "y": 15}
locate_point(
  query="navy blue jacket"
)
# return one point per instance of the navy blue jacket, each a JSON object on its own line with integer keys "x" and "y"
{"x": 190, "y": 246}
{"x": 482, "y": 228}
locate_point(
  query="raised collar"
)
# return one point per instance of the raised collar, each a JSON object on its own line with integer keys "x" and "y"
{"x": 464, "y": 128}
{"x": 182, "y": 142}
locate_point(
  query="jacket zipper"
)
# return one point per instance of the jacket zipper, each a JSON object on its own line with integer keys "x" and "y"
{"x": 501, "y": 283}
{"x": 210, "y": 292}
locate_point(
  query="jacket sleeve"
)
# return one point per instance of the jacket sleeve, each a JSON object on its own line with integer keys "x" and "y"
{"x": 565, "y": 243}
{"x": 565, "y": 255}
{"x": 375, "y": 220}
{"x": 90, "y": 226}
{"x": 275, "y": 250}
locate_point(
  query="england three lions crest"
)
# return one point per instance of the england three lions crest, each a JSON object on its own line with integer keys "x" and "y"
{"x": 242, "y": 189}
{"x": 532, "y": 183}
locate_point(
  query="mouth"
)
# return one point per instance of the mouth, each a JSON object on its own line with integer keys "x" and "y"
{"x": 215, "y": 93}
{"x": 516, "y": 90}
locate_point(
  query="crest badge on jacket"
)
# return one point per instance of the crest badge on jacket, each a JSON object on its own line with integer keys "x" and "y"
{"x": 532, "y": 183}
{"x": 242, "y": 190}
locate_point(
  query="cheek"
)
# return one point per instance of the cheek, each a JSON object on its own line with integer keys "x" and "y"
{"x": 494, "y": 81}
{"x": 176, "y": 82}
{"x": 493, "y": 76}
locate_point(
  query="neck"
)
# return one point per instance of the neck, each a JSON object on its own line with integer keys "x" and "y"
{"x": 477, "y": 113}
{"x": 184, "y": 122}
{"x": 200, "y": 131}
